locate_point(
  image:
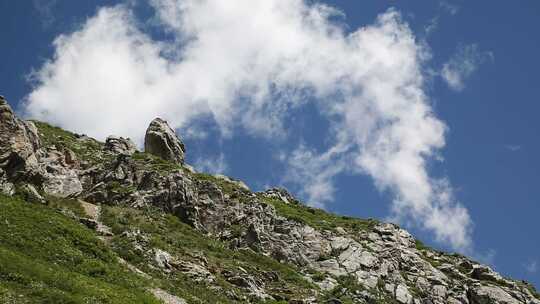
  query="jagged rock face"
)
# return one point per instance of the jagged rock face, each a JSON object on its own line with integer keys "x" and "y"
{"x": 16, "y": 136}
{"x": 161, "y": 140}
{"x": 23, "y": 159}
{"x": 120, "y": 145}
{"x": 60, "y": 174}
{"x": 19, "y": 142}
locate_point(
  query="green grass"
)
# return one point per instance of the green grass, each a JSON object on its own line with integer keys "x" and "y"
{"x": 89, "y": 150}
{"x": 68, "y": 205}
{"x": 318, "y": 218}
{"x": 46, "y": 257}
{"x": 167, "y": 232}
{"x": 531, "y": 288}
{"x": 155, "y": 163}
{"x": 226, "y": 187}
{"x": 118, "y": 188}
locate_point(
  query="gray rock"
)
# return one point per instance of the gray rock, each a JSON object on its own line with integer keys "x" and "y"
{"x": 16, "y": 134}
{"x": 63, "y": 184}
{"x": 481, "y": 272}
{"x": 481, "y": 294}
{"x": 330, "y": 266}
{"x": 439, "y": 291}
{"x": 58, "y": 178}
{"x": 195, "y": 272}
{"x": 19, "y": 141}
{"x": 162, "y": 258}
{"x": 120, "y": 145}
{"x": 90, "y": 223}
{"x": 161, "y": 140}
{"x": 30, "y": 194}
{"x": 6, "y": 187}
{"x": 237, "y": 183}
{"x": 327, "y": 283}
{"x": 403, "y": 295}
{"x": 350, "y": 259}
{"x": 166, "y": 297}
{"x": 249, "y": 283}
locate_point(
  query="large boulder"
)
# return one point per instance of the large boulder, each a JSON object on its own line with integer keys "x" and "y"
{"x": 161, "y": 140}
{"x": 490, "y": 294}
{"x": 19, "y": 141}
{"x": 16, "y": 135}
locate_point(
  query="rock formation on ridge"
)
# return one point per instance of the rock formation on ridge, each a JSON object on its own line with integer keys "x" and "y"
{"x": 161, "y": 140}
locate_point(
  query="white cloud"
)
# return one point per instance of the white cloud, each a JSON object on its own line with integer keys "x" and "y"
{"x": 214, "y": 165}
{"x": 462, "y": 65}
{"x": 247, "y": 64}
{"x": 531, "y": 266}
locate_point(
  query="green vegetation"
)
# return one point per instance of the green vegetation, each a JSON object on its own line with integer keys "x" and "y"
{"x": 318, "y": 218}
{"x": 420, "y": 245}
{"x": 347, "y": 285}
{"x": 66, "y": 205}
{"x": 118, "y": 188}
{"x": 155, "y": 163}
{"x": 46, "y": 257}
{"x": 230, "y": 188}
{"x": 167, "y": 232}
{"x": 531, "y": 289}
{"x": 87, "y": 149}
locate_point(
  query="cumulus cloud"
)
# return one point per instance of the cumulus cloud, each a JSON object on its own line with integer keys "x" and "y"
{"x": 462, "y": 65}
{"x": 247, "y": 64}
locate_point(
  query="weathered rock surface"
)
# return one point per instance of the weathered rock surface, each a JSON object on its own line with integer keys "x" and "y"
{"x": 16, "y": 135}
{"x": 381, "y": 262}
{"x": 161, "y": 140}
{"x": 166, "y": 297}
{"x": 19, "y": 142}
{"x": 60, "y": 175}
{"x": 120, "y": 145}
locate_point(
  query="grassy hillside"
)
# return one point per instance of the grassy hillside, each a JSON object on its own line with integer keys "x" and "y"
{"x": 46, "y": 257}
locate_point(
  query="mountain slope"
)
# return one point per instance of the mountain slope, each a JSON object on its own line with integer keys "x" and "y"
{"x": 90, "y": 222}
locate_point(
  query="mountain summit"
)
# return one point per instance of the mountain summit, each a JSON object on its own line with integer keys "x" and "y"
{"x": 83, "y": 221}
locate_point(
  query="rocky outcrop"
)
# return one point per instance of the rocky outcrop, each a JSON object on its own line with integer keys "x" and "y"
{"x": 60, "y": 173}
{"x": 16, "y": 135}
{"x": 161, "y": 140}
{"x": 19, "y": 142}
{"x": 120, "y": 145}
{"x": 166, "y": 297}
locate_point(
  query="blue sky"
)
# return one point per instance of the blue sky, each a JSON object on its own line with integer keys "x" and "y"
{"x": 474, "y": 63}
